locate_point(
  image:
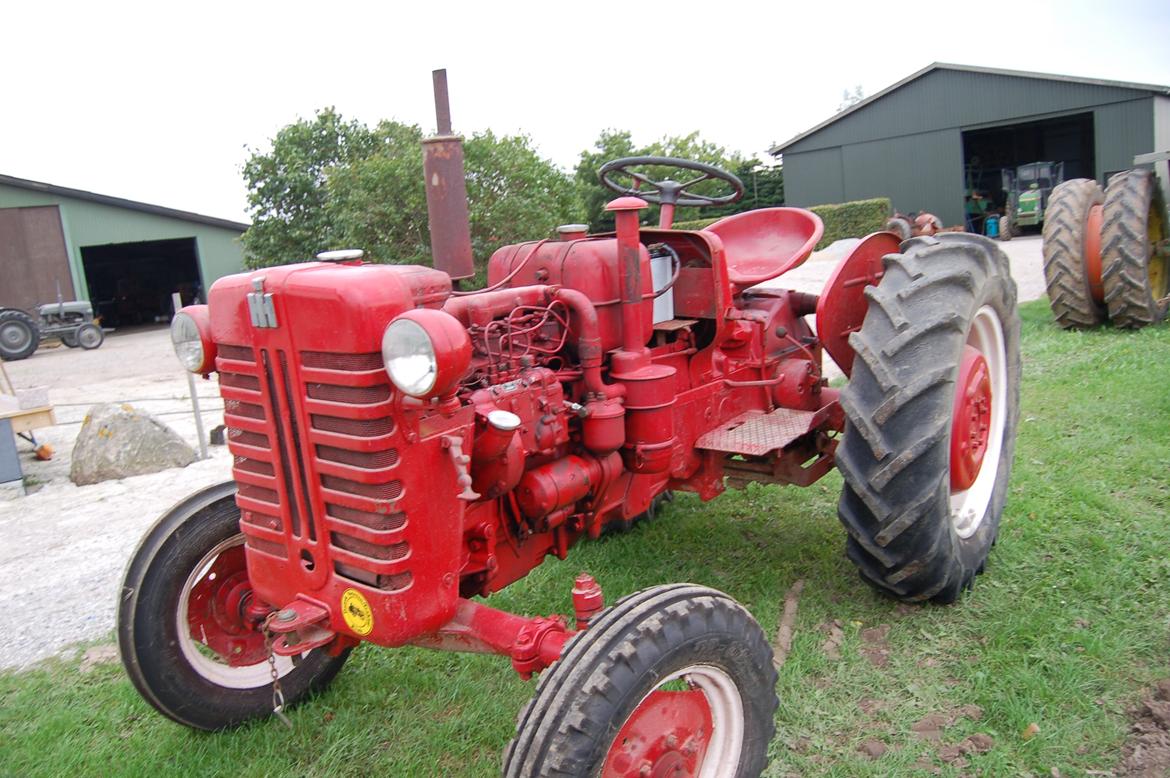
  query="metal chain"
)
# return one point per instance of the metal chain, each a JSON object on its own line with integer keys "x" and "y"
{"x": 277, "y": 692}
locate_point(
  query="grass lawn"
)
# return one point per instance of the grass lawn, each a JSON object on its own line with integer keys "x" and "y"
{"x": 1065, "y": 630}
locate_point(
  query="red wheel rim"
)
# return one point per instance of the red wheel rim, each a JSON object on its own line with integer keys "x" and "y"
{"x": 971, "y": 420}
{"x": 216, "y": 611}
{"x": 666, "y": 735}
{"x": 1093, "y": 253}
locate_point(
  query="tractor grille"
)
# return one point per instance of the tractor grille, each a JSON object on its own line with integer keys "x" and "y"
{"x": 355, "y": 457}
{"x": 334, "y": 480}
{"x": 254, "y": 465}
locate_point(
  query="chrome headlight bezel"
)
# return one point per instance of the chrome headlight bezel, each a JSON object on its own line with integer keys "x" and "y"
{"x": 426, "y": 353}
{"x": 191, "y": 339}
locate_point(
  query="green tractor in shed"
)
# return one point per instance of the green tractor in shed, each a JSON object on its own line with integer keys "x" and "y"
{"x": 1028, "y": 189}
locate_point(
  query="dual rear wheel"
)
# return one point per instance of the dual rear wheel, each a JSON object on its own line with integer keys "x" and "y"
{"x": 1107, "y": 254}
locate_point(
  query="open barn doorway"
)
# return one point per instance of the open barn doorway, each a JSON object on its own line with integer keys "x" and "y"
{"x": 989, "y": 151}
{"x": 132, "y": 283}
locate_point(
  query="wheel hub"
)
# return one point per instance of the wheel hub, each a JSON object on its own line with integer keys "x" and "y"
{"x": 216, "y": 611}
{"x": 971, "y": 422}
{"x": 14, "y": 337}
{"x": 666, "y": 735}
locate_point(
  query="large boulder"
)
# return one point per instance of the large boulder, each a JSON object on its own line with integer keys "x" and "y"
{"x": 119, "y": 440}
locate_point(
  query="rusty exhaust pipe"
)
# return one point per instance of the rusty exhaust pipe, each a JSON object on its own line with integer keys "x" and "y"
{"x": 447, "y": 191}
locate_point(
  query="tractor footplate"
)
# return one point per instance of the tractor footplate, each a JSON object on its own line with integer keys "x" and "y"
{"x": 756, "y": 433}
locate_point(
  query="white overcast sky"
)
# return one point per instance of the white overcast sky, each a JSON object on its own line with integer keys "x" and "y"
{"x": 157, "y": 101}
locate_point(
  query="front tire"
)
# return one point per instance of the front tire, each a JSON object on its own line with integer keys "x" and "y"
{"x": 931, "y": 413}
{"x": 175, "y": 635}
{"x": 671, "y": 680}
{"x": 89, "y": 336}
{"x": 1134, "y": 259}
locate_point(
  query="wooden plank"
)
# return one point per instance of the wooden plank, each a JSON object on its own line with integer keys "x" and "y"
{"x": 28, "y": 419}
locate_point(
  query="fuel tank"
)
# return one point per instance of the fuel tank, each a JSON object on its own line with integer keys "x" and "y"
{"x": 589, "y": 265}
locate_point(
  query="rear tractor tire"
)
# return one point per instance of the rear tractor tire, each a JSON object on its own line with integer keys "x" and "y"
{"x": 1135, "y": 252}
{"x": 1072, "y": 274}
{"x": 673, "y": 680}
{"x": 19, "y": 335}
{"x": 931, "y": 413}
{"x": 182, "y": 634}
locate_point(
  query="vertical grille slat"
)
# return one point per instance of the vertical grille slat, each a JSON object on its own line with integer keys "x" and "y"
{"x": 281, "y": 452}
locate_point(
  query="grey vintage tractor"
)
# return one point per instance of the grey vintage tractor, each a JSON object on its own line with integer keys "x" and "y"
{"x": 72, "y": 322}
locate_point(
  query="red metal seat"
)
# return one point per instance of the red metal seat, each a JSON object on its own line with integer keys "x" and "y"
{"x": 762, "y": 244}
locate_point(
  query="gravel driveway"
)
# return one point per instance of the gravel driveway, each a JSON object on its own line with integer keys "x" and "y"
{"x": 66, "y": 546}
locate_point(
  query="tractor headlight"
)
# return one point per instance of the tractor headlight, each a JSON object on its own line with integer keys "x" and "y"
{"x": 426, "y": 352}
{"x": 191, "y": 336}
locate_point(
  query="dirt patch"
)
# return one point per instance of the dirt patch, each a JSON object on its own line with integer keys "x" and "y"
{"x": 836, "y": 636}
{"x": 874, "y": 646}
{"x": 1148, "y": 751}
{"x": 872, "y": 749}
{"x": 783, "y": 643}
{"x": 97, "y": 655}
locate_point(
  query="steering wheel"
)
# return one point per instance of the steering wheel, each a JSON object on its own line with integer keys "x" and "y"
{"x": 670, "y": 192}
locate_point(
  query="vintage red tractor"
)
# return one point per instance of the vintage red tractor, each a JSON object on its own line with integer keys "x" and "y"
{"x": 402, "y": 449}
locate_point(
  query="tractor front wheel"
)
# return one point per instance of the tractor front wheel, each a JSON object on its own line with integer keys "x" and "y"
{"x": 932, "y": 409}
{"x": 1135, "y": 250}
{"x": 186, "y": 634}
{"x": 89, "y": 336}
{"x": 673, "y": 680}
{"x": 1007, "y": 224}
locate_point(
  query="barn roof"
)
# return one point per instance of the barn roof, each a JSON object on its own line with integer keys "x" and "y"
{"x": 118, "y": 202}
{"x": 1152, "y": 88}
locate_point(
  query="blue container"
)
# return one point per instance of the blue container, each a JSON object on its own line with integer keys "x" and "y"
{"x": 991, "y": 227}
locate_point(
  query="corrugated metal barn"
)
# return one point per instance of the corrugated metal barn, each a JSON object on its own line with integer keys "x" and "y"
{"x": 125, "y": 257}
{"x": 928, "y": 139}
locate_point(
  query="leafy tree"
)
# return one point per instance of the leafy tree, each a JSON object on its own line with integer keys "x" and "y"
{"x": 850, "y": 98}
{"x": 286, "y": 187}
{"x": 330, "y": 184}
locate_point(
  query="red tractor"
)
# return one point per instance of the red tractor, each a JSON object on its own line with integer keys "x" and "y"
{"x": 403, "y": 449}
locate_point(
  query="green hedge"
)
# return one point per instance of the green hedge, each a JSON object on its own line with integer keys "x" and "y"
{"x": 842, "y": 220}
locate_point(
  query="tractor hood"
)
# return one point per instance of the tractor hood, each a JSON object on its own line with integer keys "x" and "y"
{"x": 338, "y": 307}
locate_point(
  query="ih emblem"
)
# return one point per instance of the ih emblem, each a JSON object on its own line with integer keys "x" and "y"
{"x": 260, "y": 306}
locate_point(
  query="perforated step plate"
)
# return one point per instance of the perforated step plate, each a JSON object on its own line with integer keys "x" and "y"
{"x": 756, "y": 433}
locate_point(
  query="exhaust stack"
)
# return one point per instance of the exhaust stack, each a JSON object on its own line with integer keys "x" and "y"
{"x": 447, "y": 191}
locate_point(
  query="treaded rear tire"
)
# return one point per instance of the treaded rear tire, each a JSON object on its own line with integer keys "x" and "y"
{"x": 895, "y": 453}
{"x": 1006, "y": 223}
{"x": 19, "y": 335}
{"x": 1133, "y": 209}
{"x": 1065, "y": 271}
{"x": 583, "y": 699}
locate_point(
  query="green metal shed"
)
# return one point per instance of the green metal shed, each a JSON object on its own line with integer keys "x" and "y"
{"x": 926, "y": 140}
{"x": 124, "y": 256}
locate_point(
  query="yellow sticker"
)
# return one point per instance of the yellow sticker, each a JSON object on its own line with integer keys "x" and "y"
{"x": 356, "y": 612}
